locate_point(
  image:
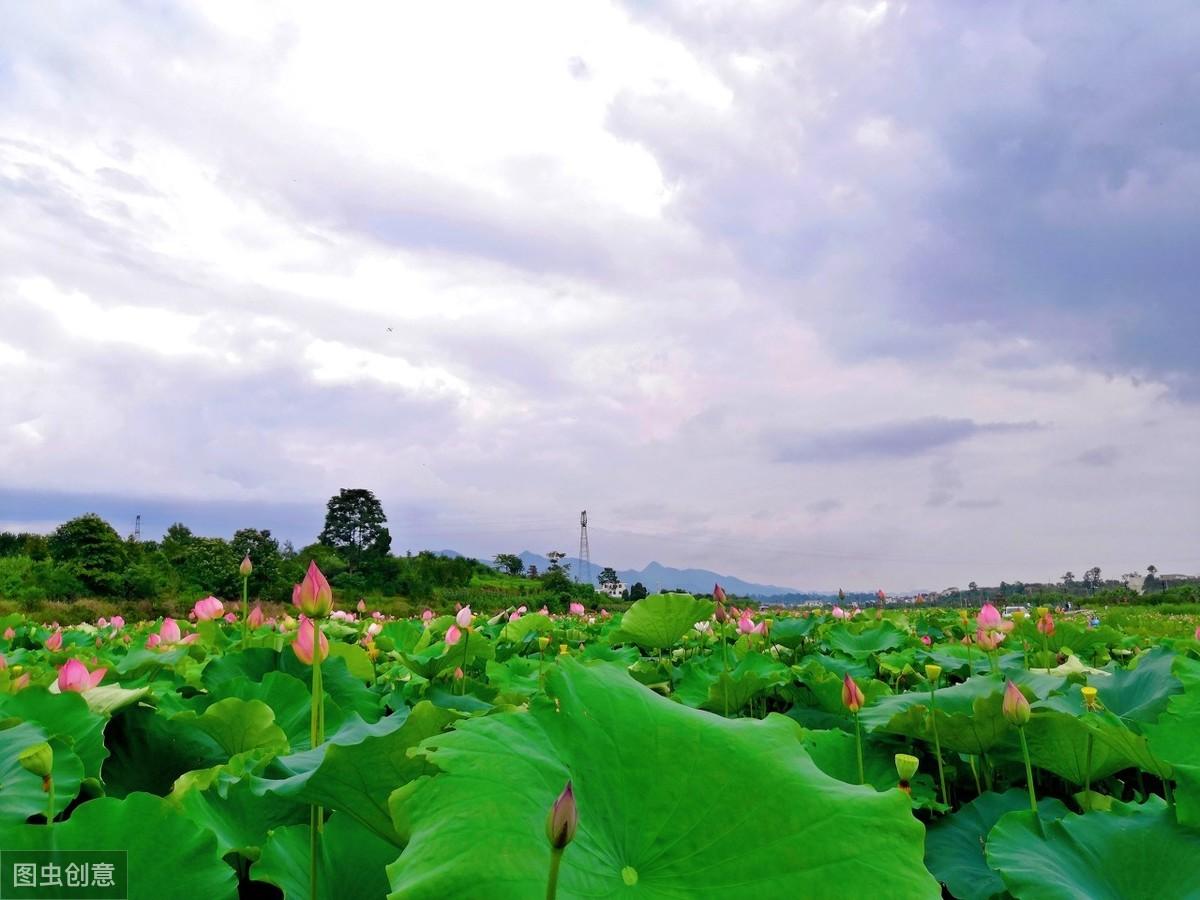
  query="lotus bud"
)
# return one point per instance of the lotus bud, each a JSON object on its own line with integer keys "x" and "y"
{"x": 989, "y": 617}
{"x": 722, "y": 616}
{"x": 38, "y": 759}
{"x": 1045, "y": 624}
{"x": 463, "y": 618}
{"x": 926, "y": 640}
{"x": 9, "y": 634}
{"x": 313, "y": 596}
{"x": 245, "y": 568}
{"x": 306, "y": 642}
{"x": 576, "y": 609}
{"x": 207, "y": 609}
{"x": 933, "y": 672}
{"x": 906, "y": 766}
{"x": 852, "y": 695}
{"x": 563, "y": 819}
{"x": 453, "y": 635}
{"x": 427, "y": 616}
{"x": 54, "y": 642}
{"x": 117, "y": 622}
{"x": 3, "y": 662}
{"x": 362, "y": 605}
{"x": 458, "y": 673}
{"x": 1089, "y": 698}
{"x": 256, "y": 617}
{"x": 718, "y": 594}
{"x": 1015, "y": 707}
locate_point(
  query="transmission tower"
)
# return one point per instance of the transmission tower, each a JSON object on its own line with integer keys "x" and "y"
{"x": 585, "y": 553}
{"x": 137, "y": 528}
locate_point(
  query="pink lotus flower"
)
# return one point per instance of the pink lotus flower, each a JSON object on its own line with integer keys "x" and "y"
{"x": 605, "y": 614}
{"x": 576, "y": 609}
{"x": 514, "y": 615}
{"x": 1197, "y": 633}
{"x": 231, "y": 617}
{"x": 926, "y": 640}
{"x": 102, "y": 622}
{"x": 373, "y": 629}
{"x": 563, "y": 819}
{"x": 989, "y": 638}
{"x": 718, "y": 593}
{"x": 54, "y": 642}
{"x": 9, "y": 634}
{"x": 989, "y": 617}
{"x": 313, "y": 596}
{"x": 427, "y": 616}
{"x": 20, "y": 683}
{"x": 453, "y": 635}
{"x": 362, "y": 606}
{"x": 117, "y": 622}
{"x": 303, "y": 646}
{"x": 543, "y": 611}
{"x": 1046, "y": 624}
{"x": 1014, "y": 706}
{"x": 256, "y": 617}
{"x": 458, "y": 673}
{"x": 463, "y": 617}
{"x": 839, "y": 613}
{"x": 208, "y": 609}
{"x": 169, "y": 635}
{"x": 74, "y": 676}
{"x": 852, "y": 696}
{"x": 746, "y": 624}
{"x": 3, "y": 662}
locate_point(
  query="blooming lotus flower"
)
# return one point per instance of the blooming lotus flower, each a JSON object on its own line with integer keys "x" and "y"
{"x": 246, "y": 567}
{"x": 838, "y": 613}
{"x": 169, "y": 635}
{"x": 1045, "y": 624}
{"x": 989, "y": 617}
{"x": 427, "y": 616}
{"x": 117, "y": 622}
{"x": 207, "y": 609}
{"x": 453, "y": 635}
{"x": 313, "y": 596}
{"x": 746, "y": 624}
{"x": 926, "y": 640}
{"x": 514, "y": 615}
{"x": 54, "y": 642}
{"x": 852, "y": 695}
{"x": 463, "y": 617}
{"x": 543, "y": 611}
{"x": 989, "y": 638}
{"x": 1015, "y": 707}
{"x": 256, "y": 617}
{"x": 304, "y": 644}
{"x": 576, "y": 609}
{"x": 74, "y": 676}
{"x": 703, "y": 627}
{"x": 563, "y": 819}
{"x": 374, "y": 628}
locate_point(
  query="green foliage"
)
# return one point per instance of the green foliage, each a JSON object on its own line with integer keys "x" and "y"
{"x": 93, "y": 552}
{"x": 354, "y": 526}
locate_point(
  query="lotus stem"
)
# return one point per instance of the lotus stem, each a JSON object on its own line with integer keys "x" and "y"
{"x": 1028, "y": 770}
{"x": 245, "y": 608}
{"x": 937, "y": 745}
{"x": 975, "y": 775}
{"x": 858, "y": 747}
{"x": 316, "y": 736}
{"x": 462, "y": 688}
{"x": 1087, "y": 773}
{"x": 50, "y": 804}
{"x": 552, "y": 881}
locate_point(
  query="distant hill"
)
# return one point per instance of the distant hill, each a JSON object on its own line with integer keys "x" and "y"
{"x": 657, "y": 577}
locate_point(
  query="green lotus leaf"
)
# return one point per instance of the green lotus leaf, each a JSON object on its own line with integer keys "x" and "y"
{"x": 660, "y": 620}
{"x": 238, "y": 726}
{"x": 352, "y": 863}
{"x": 169, "y": 856}
{"x": 149, "y": 751}
{"x": 1058, "y": 742}
{"x": 291, "y": 701}
{"x": 1141, "y": 693}
{"x": 66, "y": 716}
{"x": 954, "y": 846}
{"x": 530, "y": 623}
{"x": 875, "y": 638}
{"x": 969, "y": 717}
{"x": 107, "y": 699}
{"x": 21, "y": 794}
{"x": 356, "y": 772}
{"x": 673, "y": 802}
{"x": 826, "y": 685}
{"x": 1130, "y": 853}
{"x": 358, "y": 664}
{"x": 791, "y": 632}
{"x": 1174, "y": 738}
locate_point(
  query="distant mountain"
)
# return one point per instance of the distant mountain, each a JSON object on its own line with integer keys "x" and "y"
{"x": 657, "y": 577}
{"x": 449, "y": 554}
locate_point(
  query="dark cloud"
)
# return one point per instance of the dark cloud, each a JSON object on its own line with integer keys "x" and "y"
{"x": 889, "y": 440}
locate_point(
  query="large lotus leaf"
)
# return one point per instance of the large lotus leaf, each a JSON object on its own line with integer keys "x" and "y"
{"x": 672, "y": 803}
{"x": 107, "y": 699}
{"x": 254, "y": 664}
{"x": 834, "y": 752}
{"x": 169, "y": 856}
{"x": 791, "y": 632}
{"x": 1140, "y": 694}
{"x": 357, "y": 778}
{"x": 956, "y": 659}
{"x": 239, "y": 726}
{"x": 350, "y": 694}
{"x": 1130, "y": 853}
{"x": 150, "y": 751}
{"x": 826, "y": 685}
{"x": 954, "y": 845}
{"x": 291, "y": 700}
{"x": 754, "y": 674}
{"x": 873, "y": 639}
{"x": 21, "y": 794}
{"x": 660, "y": 620}
{"x": 1175, "y": 738}
{"x": 1058, "y": 742}
{"x": 531, "y": 623}
{"x": 352, "y": 864}
{"x": 66, "y": 716}
{"x": 517, "y": 679}
{"x": 143, "y": 658}
{"x": 222, "y": 799}
{"x": 975, "y": 731}
{"x": 358, "y": 663}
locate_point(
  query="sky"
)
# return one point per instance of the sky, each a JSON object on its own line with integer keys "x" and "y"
{"x": 890, "y": 294}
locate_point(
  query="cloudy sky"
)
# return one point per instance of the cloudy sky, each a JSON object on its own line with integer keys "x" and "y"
{"x": 886, "y": 294}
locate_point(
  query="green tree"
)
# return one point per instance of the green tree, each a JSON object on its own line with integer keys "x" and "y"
{"x": 638, "y": 591}
{"x": 608, "y": 577}
{"x": 92, "y": 551}
{"x": 176, "y": 542}
{"x": 210, "y": 566}
{"x": 354, "y": 526}
{"x": 266, "y": 580}
{"x": 510, "y": 563}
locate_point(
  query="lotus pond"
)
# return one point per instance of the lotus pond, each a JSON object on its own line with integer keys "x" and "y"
{"x": 710, "y": 752}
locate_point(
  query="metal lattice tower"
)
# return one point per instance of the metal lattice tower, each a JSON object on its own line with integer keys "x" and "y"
{"x": 137, "y": 528}
{"x": 585, "y": 552}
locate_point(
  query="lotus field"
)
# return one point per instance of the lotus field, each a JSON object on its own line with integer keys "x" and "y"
{"x": 684, "y": 748}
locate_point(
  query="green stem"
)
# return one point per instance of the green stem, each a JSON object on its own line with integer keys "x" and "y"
{"x": 975, "y": 775}
{"x": 937, "y": 746}
{"x": 317, "y": 727}
{"x": 462, "y": 688}
{"x": 858, "y": 747}
{"x": 1087, "y": 773}
{"x": 50, "y": 805}
{"x": 1028, "y": 770}
{"x": 552, "y": 881}
{"x": 245, "y": 609}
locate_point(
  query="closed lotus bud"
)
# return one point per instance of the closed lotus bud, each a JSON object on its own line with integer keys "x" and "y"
{"x": 1089, "y": 698}
{"x": 453, "y": 635}
{"x": 245, "y": 568}
{"x": 9, "y": 634}
{"x": 1015, "y": 707}
{"x": 54, "y": 642}
{"x": 906, "y": 766}
{"x": 852, "y": 695}
{"x": 307, "y": 642}
{"x": 933, "y": 672}
{"x": 207, "y": 609}
{"x": 718, "y": 593}
{"x": 38, "y": 759}
{"x": 563, "y": 819}
{"x": 463, "y": 617}
{"x": 313, "y": 596}
{"x": 1046, "y": 624}
{"x": 256, "y": 617}
{"x": 362, "y": 605}
{"x": 722, "y": 616}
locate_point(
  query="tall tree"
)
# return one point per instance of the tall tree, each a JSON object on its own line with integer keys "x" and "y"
{"x": 638, "y": 591}
{"x": 354, "y": 526}
{"x": 93, "y": 552}
{"x": 266, "y": 580}
{"x": 608, "y": 577}
{"x": 510, "y": 563}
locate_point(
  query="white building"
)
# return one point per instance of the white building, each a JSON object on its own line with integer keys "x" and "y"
{"x": 614, "y": 590}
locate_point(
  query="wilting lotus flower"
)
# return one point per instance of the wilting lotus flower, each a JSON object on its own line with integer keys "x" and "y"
{"x": 313, "y": 596}
{"x": 74, "y": 676}
{"x": 1015, "y": 707}
{"x": 463, "y": 617}
{"x": 989, "y": 638}
{"x": 1045, "y": 624}
{"x": 852, "y": 696}
{"x": 562, "y": 820}
{"x": 926, "y": 640}
{"x": 839, "y": 613}
{"x": 207, "y": 609}
{"x": 427, "y": 616}
{"x": 303, "y": 645}
{"x": 576, "y": 609}
{"x": 256, "y": 617}
{"x": 453, "y": 635}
